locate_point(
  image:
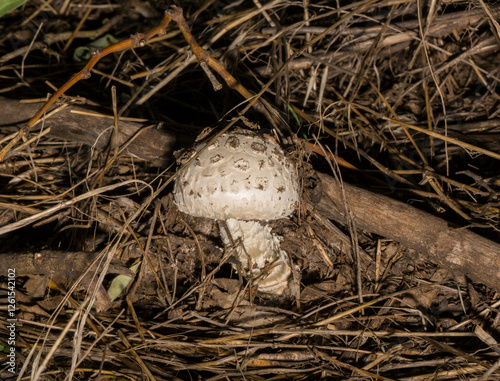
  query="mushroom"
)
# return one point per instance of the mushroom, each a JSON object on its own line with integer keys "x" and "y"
{"x": 245, "y": 180}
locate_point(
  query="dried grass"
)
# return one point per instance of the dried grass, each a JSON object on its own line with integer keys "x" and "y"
{"x": 401, "y": 94}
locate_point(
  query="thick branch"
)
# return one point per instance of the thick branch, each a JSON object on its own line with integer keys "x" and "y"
{"x": 153, "y": 145}
{"x": 54, "y": 262}
{"x": 459, "y": 250}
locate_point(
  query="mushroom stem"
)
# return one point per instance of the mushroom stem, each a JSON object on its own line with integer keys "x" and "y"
{"x": 258, "y": 250}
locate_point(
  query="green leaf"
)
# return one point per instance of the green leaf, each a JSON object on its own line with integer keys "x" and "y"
{"x": 4, "y": 348}
{"x": 120, "y": 283}
{"x": 84, "y": 53}
{"x": 9, "y": 5}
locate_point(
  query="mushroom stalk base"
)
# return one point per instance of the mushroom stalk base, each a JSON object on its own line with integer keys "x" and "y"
{"x": 259, "y": 253}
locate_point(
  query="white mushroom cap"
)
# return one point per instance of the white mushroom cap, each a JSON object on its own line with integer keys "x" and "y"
{"x": 240, "y": 176}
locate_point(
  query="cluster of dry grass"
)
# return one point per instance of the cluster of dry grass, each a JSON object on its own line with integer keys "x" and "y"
{"x": 398, "y": 97}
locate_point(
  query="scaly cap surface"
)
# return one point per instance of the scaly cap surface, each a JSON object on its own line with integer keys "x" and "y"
{"x": 240, "y": 176}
